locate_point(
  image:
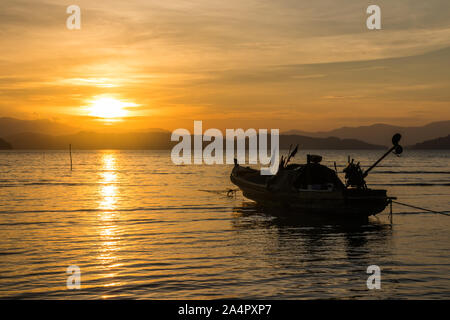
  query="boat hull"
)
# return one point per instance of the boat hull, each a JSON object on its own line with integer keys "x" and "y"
{"x": 348, "y": 202}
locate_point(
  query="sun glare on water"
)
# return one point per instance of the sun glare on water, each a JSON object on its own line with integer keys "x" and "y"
{"x": 109, "y": 108}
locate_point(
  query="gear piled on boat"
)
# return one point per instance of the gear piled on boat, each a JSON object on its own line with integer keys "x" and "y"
{"x": 314, "y": 187}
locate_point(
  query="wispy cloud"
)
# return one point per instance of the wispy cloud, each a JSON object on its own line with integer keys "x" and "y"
{"x": 216, "y": 58}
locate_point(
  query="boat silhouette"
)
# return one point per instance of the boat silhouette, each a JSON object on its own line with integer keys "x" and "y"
{"x": 315, "y": 188}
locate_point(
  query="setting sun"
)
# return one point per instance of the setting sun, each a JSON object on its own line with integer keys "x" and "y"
{"x": 109, "y": 108}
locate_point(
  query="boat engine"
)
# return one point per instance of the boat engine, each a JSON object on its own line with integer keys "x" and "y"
{"x": 354, "y": 176}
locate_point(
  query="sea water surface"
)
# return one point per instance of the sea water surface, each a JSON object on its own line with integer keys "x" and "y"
{"x": 140, "y": 227}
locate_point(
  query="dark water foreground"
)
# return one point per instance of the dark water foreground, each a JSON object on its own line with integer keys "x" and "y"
{"x": 139, "y": 227}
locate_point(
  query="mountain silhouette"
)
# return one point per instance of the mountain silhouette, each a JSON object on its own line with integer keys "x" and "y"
{"x": 442, "y": 143}
{"x": 159, "y": 141}
{"x": 92, "y": 140}
{"x": 10, "y": 126}
{"x": 4, "y": 145}
{"x": 47, "y": 134}
{"x": 382, "y": 133}
{"x": 332, "y": 143}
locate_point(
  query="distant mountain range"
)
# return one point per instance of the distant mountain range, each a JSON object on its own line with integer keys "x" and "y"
{"x": 92, "y": 140}
{"x": 4, "y": 145}
{"x": 46, "y": 134}
{"x": 439, "y": 143}
{"x": 158, "y": 141}
{"x": 332, "y": 143}
{"x": 11, "y": 126}
{"x": 381, "y": 133}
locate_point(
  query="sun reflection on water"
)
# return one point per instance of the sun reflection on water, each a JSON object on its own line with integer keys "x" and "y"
{"x": 108, "y": 229}
{"x": 108, "y": 181}
{"x": 109, "y": 198}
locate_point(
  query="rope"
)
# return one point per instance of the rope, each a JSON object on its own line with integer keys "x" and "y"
{"x": 419, "y": 208}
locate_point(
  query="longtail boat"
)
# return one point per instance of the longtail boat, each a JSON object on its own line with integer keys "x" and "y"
{"x": 315, "y": 188}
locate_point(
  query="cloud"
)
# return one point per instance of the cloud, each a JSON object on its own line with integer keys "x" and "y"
{"x": 220, "y": 58}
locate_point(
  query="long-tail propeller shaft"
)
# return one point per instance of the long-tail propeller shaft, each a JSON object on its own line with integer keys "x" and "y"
{"x": 396, "y": 149}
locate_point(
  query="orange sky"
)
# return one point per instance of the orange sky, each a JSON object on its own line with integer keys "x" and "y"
{"x": 256, "y": 63}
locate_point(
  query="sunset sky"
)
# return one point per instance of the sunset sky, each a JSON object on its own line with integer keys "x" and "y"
{"x": 288, "y": 64}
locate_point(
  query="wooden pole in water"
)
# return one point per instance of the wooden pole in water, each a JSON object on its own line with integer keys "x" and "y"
{"x": 70, "y": 152}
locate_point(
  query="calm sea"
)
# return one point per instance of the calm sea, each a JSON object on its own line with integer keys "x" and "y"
{"x": 140, "y": 227}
